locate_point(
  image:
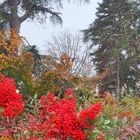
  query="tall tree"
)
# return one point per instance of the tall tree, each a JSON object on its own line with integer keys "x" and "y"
{"x": 15, "y": 12}
{"x": 114, "y": 34}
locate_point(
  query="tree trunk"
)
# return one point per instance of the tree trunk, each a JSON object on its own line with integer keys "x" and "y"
{"x": 118, "y": 78}
{"x": 14, "y": 21}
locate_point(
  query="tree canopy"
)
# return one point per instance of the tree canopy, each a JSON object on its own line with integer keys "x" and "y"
{"x": 14, "y": 12}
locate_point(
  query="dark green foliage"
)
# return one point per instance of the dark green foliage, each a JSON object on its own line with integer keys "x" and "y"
{"x": 115, "y": 38}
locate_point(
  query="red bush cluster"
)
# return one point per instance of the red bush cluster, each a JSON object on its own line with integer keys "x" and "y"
{"x": 57, "y": 119}
{"x": 64, "y": 122}
{"x": 10, "y": 100}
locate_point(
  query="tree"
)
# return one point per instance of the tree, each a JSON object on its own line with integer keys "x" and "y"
{"x": 18, "y": 67}
{"x": 7, "y": 46}
{"x": 72, "y": 45}
{"x": 14, "y": 12}
{"x": 115, "y": 39}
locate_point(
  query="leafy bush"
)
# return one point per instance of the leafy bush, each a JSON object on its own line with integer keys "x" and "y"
{"x": 10, "y": 101}
{"x": 45, "y": 118}
{"x": 119, "y": 119}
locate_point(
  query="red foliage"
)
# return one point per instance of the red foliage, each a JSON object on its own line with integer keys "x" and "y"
{"x": 64, "y": 122}
{"x": 100, "y": 137}
{"x": 57, "y": 119}
{"x": 10, "y": 100}
{"x": 90, "y": 113}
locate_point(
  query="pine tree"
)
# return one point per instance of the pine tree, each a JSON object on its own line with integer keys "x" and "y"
{"x": 114, "y": 35}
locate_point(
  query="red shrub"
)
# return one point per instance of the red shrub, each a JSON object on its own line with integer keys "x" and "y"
{"x": 90, "y": 113}
{"x": 10, "y": 100}
{"x": 57, "y": 119}
{"x": 64, "y": 122}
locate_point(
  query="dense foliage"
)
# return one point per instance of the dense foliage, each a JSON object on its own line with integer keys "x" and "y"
{"x": 115, "y": 38}
{"x": 52, "y": 117}
{"x": 10, "y": 100}
{"x": 50, "y": 97}
{"x": 55, "y": 118}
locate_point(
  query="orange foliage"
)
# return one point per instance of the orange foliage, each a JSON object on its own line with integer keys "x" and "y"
{"x": 19, "y": 67}
{"x": 109, "y": 99}
{"x": 127, "y": 114}
{"x": 9, "y": 43}
{"x": 1, "y": 77}
{"x": 103, "y": 75}
{"x": 65, "y": 65}
{"x": 90, "y": 83}
{"x": 54, "y": 79}
{"x": 58, "y": 77}
{"x": 6, "y": 138}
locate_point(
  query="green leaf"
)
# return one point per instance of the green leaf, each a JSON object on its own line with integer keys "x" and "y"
{"x": 111, "y": 139}
{"x": 70, "y": 96}
{"x": 1, "y": 110}
{"x": 106, "y": 127}
{"x": 101, "y": 122}
{"x": 95, "y": 136}
{"x": 97, "y": 131}
{"x": 88, "y": 120}
{"x": 35, "y": 96}
{"x": 31, "y": 103}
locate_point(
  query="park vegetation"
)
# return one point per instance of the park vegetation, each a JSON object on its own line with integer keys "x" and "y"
{"x": 82, "y": 88}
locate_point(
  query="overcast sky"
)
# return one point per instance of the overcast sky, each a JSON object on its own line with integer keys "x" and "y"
{"x": 75, "y": 17}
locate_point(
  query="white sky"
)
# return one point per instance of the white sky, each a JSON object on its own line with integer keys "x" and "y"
{"x": 75, "y": 17}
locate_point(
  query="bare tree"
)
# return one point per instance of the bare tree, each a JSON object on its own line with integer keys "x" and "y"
{"x": 71, "y": 44}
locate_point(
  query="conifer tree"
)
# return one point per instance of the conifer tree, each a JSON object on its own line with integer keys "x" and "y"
{"x": 115, "y": 38}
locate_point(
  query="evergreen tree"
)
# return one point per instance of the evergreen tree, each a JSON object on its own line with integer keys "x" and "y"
{"x": 115, "y": 39}
{"x": 15, "y": 12}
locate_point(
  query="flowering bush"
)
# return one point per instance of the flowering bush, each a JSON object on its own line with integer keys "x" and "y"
{"x": 66, "y": 122}
{"x": 49, "y": 118}
{"x": 10, "y": 101}
{"x": 119, "y": 119}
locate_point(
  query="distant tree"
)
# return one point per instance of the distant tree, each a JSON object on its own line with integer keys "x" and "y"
{"x": 115, "y": 39}
{"x": 72, "y": 45}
